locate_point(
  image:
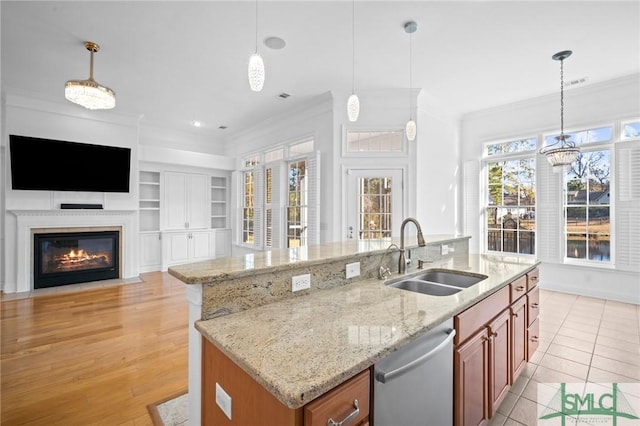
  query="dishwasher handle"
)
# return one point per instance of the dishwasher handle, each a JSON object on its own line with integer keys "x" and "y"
{"x": 383, "y": 377}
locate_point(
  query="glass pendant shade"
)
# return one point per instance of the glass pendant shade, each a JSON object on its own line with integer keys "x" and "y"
{"x": 256, "y": 72}
{"x": 353, "y": 107}
{"x": 411, "y": 130}
{"x": 88, "y": 93}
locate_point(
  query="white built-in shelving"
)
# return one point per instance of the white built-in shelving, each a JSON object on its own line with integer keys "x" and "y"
{"x": 219, "y": 202}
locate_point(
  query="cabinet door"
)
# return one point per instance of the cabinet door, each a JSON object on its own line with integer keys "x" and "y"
{"x": 499, "y": 359}
{"x": 197, "y": 196}
{"x": 518, "y": 337}
{"x": 471, "y": 376}
{"x": 150, "y": 252}
{"x": 175, "y": 208}
{"x": 200, "y": 245}
{"x": 222, "y": 243}
{"x": 178, "y": 247}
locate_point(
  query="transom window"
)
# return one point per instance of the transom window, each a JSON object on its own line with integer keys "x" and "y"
{"x": 630, "y": 129}
{"x": 375, "y": 142}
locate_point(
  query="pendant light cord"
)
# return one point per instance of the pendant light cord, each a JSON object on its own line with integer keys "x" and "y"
{"x": 256, "y": 26}
{"x": 562, "y": 101}
{"x": 410, "y": 76}
{"x": 353, "y": 46}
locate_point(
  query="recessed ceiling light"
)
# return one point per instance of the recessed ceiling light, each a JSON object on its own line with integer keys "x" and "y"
{"x": 196, "y": 123}
{"x": 275, "y": 43}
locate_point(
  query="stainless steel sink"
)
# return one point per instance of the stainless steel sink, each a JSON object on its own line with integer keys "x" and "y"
{"x": 425, "y": 287}
{"x": 452, "y": 278}
{"x": 439, "y": 282}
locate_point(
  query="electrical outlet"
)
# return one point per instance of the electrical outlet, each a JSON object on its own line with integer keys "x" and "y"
{"x": 300, "y": 282}
{"x": 444, "y": 249}
{"x": 223, "y": 400}
{"x": 353, "y": 269}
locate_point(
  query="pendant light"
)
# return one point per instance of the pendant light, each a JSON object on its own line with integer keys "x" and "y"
{"x": 88, "y": 93}
{"x": 564, "y": 151}
{"x": 256, "y": 65}
{"x": 353, "y": 104}
{"x": 411, "y": 128}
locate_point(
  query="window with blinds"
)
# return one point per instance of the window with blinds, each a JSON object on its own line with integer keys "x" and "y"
{"x": 248, "y": 208}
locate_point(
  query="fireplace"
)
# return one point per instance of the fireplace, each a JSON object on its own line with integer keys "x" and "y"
{"x": 75, "y": 257}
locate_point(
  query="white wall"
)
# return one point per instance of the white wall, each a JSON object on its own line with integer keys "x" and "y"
{"x": 586, "y": 106}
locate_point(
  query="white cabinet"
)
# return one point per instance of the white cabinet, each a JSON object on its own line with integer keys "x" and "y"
{"x": 150, "y": 255}
{"x": 186, "y": 246}
{"x": 222, "y": 242}
{"x": 186, "y": 200}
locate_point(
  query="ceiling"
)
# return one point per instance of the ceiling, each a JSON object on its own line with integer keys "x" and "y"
{"x": 176, "y": 62}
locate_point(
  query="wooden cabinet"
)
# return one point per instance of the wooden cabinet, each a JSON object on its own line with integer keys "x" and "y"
{"x": 471, "y": 380}
{"x": 495, "y": 338}
{"x": 186, "y": 200}
{"x": 186, "y": 246}
{"x": 518, "y": 337}
{"x": 348, "y": 403}
{"x": 252, "y": 404}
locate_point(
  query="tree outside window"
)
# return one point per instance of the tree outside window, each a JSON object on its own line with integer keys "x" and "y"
{"x": 587, "y": 207}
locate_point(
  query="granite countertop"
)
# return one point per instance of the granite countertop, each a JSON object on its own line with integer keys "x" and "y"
{"x": 214, "y": 270}
{"x": 300, "y": 348}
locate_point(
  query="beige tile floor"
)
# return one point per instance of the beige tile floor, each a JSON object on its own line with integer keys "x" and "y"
{"x": 582, "y": 340}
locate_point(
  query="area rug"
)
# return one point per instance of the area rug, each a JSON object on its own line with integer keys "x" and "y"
{"x": 171, "y": 411}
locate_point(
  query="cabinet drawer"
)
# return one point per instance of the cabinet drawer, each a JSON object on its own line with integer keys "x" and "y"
{"x": 533, "y": 333}
{"x": 472, "y": 319}
{"x": 518, "y": 288}
{"x": 339, "y": 403}
{"x": 532, "y": 278}
{"x": 533, "y": 305}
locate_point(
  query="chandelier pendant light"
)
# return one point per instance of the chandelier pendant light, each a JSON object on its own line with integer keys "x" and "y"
{"x": 353, "y": 103}
{"x": 256, "y": 64}
{"x": 88, "y": 93}
{"x": 563, "y": 152}
{"x": 411, "y": 129}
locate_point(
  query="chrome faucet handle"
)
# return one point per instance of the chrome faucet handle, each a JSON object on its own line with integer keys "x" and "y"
{"x": 383, "y": 272}
{"x": 420, "y": 264}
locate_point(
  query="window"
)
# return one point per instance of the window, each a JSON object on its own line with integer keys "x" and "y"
{"x": 252, "y": 161}
{"x": 301, "y": 148}
{"x": 375, "y": 207}
{"x": 297, "y": 204}
{"x": 587, "y": 207}
{"x": 376, "y": 142}
{"x": 248, "y": 207}
{"x": 268, "y": 208}
{"x": 630, "y": 129}
{"x": 510, "y": 206}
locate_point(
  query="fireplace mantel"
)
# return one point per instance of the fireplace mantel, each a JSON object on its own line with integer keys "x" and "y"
{"x": 27, "y": 220}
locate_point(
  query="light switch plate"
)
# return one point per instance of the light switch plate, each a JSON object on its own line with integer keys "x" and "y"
{"x": 445, "y": 250}
{"x": 353, "y": 270}
{"x": 223, "y": 400}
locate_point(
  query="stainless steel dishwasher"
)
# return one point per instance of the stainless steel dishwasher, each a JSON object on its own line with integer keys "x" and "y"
{"x": 414, "y": 385}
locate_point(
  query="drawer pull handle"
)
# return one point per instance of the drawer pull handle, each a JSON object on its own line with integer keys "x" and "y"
{"x": 515, "y": 315}
{"x": 520, "y": 288}
{"x": 534, "y": 338}
{"x": 534, "y": 305}
{"x": 349, "y": 418}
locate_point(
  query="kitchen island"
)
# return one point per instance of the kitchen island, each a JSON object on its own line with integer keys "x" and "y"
{"x": 305, "y": 344}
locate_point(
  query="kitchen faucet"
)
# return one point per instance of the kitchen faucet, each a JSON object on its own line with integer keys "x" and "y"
{"x": 402, "y": 263}
{"x": 383, "y": 271}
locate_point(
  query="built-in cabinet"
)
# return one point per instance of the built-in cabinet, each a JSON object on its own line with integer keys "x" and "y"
{"x": 495, "y": 338}
{"x": 187, "y": 200}
{"x": 149, "y": 244}
{"x": 183, "y": 217}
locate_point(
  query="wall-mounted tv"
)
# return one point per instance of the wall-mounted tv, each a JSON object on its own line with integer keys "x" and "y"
{"x": 54, "y": 165}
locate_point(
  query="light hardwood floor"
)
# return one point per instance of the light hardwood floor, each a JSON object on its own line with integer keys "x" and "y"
{"x": 93, "y": 357}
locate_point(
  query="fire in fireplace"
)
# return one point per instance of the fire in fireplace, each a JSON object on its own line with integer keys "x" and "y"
{"x": 75, "y": 257}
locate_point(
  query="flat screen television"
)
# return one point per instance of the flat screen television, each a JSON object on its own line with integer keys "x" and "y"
{"x": 54, "y": 165}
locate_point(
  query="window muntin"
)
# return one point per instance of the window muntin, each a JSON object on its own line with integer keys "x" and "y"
{"x": 376, "y": 142}
{"x": 511, "y": 147}
{"x": 297, "y": 204}
{"x": 248, "y": 207}
{"x": 587, "y": 207}
{"x": 511, "y": 205}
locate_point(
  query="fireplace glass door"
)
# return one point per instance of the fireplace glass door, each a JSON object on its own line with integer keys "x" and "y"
{"x": 74, "y": 257}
